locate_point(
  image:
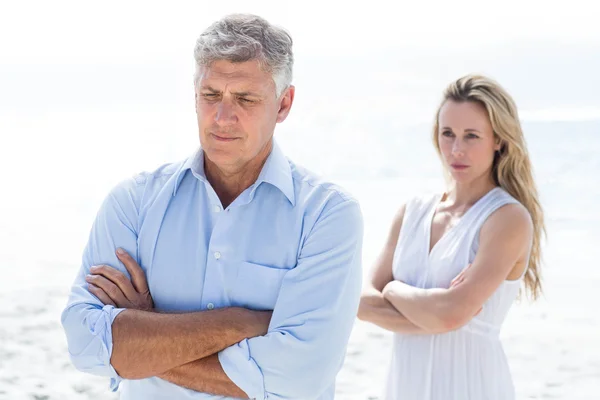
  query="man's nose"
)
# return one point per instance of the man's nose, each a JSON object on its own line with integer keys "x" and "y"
{"x": 225, "y": 113}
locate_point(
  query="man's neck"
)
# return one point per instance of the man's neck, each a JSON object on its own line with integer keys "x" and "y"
{"x": 229, "y": 183}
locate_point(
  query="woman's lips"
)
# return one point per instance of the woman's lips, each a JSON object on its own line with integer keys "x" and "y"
{"x": 459, "y": 167}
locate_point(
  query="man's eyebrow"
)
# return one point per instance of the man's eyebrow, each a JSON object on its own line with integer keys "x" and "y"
{"x": 239, "y": 94}
{"x": 246, "y": 93}
{"x": 210, "y": 89}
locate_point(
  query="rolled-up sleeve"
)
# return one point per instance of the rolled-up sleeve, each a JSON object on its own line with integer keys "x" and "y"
{"x": 313, "y": 316}
{"x": 86, "y": 320}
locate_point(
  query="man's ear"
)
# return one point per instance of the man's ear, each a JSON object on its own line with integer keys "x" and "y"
{"x": 285, "y": 105}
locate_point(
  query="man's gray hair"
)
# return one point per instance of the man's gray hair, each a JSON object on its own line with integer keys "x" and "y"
{"x": 245, "y": 37}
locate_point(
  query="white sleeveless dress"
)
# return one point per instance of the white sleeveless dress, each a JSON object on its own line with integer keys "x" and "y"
{"x": 468, "y": 363}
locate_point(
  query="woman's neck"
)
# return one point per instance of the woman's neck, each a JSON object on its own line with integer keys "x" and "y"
{"x": 464, "y": 195}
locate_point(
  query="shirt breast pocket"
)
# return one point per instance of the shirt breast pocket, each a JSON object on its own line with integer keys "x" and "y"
{"x": 257, "y": 286}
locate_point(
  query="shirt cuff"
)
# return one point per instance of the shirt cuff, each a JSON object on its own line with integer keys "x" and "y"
{"x": 239, "y": 366}
{"x": 112, "y": 313}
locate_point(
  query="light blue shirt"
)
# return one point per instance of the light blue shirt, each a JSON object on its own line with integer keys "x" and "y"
{"x": 290, "y": 243}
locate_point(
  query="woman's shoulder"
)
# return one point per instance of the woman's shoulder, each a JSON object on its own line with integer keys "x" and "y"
{"x": 499, "y": 208}
{"x": 502, "y": 197}
{"x": 422, "y": 201}
{"x": 415, "y": 205}
{"x": 510, "y": 215}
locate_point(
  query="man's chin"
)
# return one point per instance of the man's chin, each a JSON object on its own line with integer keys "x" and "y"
{"x": 222, "y": 157}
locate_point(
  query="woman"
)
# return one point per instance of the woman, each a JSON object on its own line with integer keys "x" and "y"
{"x": 454, "y": 262}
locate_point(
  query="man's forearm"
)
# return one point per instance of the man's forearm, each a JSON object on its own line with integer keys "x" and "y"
{"x": 206, "y": 376}
{"x": 147, "y": 344}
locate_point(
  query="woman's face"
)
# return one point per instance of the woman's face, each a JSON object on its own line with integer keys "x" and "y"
{"x": 466, "y": 140}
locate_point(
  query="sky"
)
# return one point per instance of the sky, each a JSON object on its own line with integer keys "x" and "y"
{"x": 74, "y": 54}
{"x": 92, "y": 92}
{"x": 117, "y": 31}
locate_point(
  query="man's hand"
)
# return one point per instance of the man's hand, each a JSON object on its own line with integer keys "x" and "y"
{"x": 112, "y": 286}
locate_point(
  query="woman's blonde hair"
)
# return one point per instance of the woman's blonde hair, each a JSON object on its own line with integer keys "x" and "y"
{"x": 511, "y": 168}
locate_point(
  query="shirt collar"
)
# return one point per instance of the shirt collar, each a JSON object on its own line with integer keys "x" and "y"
{"x": 276, "y": 171}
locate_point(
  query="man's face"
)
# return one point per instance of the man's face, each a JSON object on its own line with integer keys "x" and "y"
{"x": 237, "y": 112}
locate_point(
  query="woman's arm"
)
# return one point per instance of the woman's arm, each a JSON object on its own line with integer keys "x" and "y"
{"x": 373, "y": 306}
{"x": 377, "y": 310}
{"x": 505, "y": 241}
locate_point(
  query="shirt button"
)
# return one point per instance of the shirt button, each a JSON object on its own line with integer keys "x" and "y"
{"x": 210, "y": 306}
{"x": 216, "y": 209}
{"x": 217, "y": 255}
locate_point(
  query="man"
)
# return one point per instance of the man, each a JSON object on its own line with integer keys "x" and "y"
{"x": 235, "y": 273}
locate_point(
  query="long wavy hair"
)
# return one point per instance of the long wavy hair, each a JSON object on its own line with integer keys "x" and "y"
{"x": 511, "y": 168}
